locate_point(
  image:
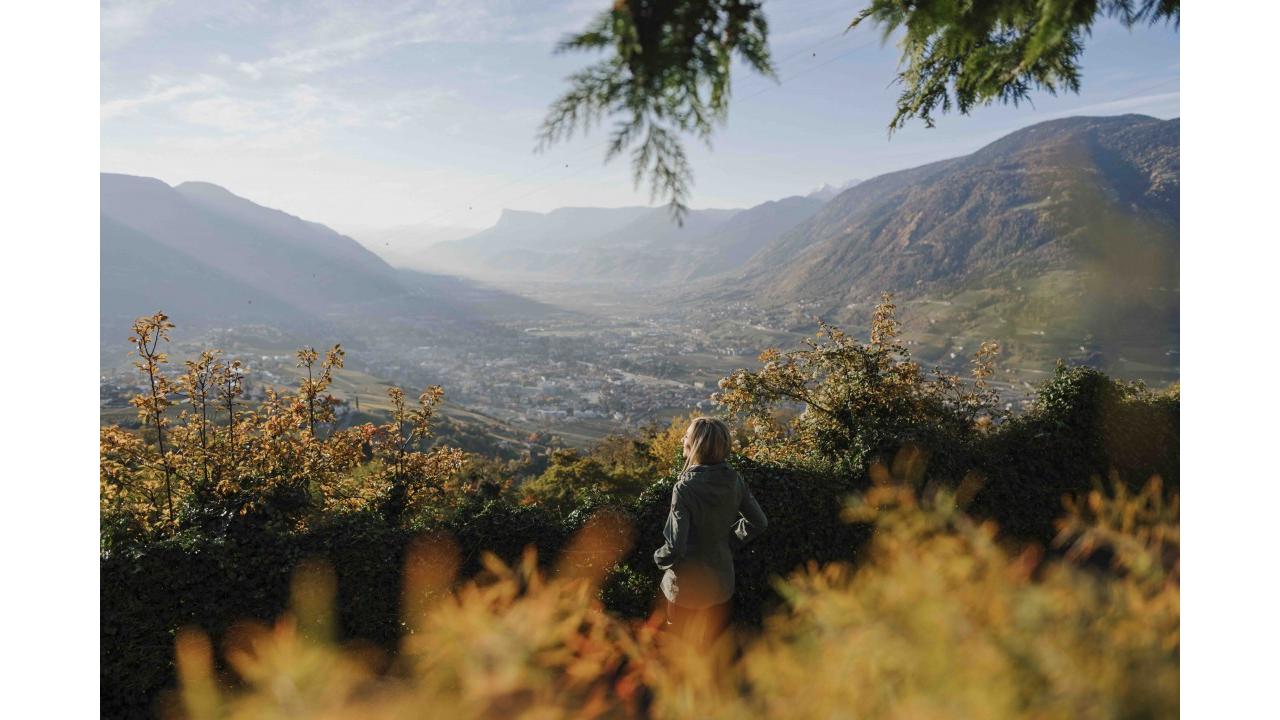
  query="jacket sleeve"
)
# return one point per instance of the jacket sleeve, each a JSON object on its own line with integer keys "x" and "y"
{"x": 676, "y": 533}
{"x": 752, "y": 521}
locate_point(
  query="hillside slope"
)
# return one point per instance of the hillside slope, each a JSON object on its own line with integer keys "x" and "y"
{"x": 1063, "y": 194}
{"x": 302, "y": 264}
{"x": 211, "y": 258}
{"x": 738, "y": 240}
{"x": 1060, "y": 240}
{"x": 140, "y": 276}
{"x": 577, "y": 244}
{"x": 523, "y": 242}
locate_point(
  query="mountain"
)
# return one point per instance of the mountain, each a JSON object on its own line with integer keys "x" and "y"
{"x": 1069, "y": 225}
{"x": 872, "y": 193}
{"x": 647, "y": 249}
{"x": 1048, "y": 195}
{"x": 524, "y": 243}
{"x": 140, "y": 275}
{"x": 829, "y": 191}
{"x": 300, "y": 264}
{"x": 742, "y": 236}
{"x": 210, "y": 258}
{"x": 621, "y": 245}
{"x": 560, "y": 230}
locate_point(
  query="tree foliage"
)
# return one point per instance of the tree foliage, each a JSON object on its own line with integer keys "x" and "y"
{"x": 667, "y": 71}
{"x": 616, "y": 470}
{"x": 148, "y": 333}
{"x": 958, "y": 55}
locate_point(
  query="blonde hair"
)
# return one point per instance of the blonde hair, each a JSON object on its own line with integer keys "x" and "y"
{"x": 709, "y": 442}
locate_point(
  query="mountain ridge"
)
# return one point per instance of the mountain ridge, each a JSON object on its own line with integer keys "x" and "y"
{"x": 1025, "y": 194}
{"x": 242, "y": 262}
{"x": 628, "y": 245}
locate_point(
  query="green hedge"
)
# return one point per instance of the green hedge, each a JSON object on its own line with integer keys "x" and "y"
{"x": 211, "y": 583}
{"x": 1084, "y": 425}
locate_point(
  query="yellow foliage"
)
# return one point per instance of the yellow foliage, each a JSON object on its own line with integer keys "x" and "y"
{"x": 282, "y": 459}
{"x": 856, "y": 399}
{"x": 666, "y": 447}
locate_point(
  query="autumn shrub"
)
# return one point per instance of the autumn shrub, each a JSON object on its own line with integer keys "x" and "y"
{"x": 942, "y": 620}
{"x": 859, "y": 402}
{"x": 574, "y": 478}
{"x": 615, "y": 470}
{"x": 215, "y": 580}
{"x": 862, "y": 402}
{"x": 279, "y": 463}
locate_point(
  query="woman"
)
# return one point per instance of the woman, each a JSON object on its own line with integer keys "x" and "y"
{"x": 712, "y": 514}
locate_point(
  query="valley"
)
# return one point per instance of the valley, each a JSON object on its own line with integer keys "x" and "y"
{"x": 609, "y": 363}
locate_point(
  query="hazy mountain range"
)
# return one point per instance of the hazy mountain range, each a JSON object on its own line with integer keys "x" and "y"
{"x": 1064, "y": 233}
{"x": 630, "y": 245}
{"x": 1045, "y": 196}
{"x": 210, "y": 258}
{"x": 1061, "y": 239}
{"x": 1048, "y": 196}
{"x": 551, "y": 243}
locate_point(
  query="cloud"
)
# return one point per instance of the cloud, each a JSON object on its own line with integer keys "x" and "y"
{"x": 347, "y": 35}
{"x": 224, "y": 113}
{"x": 1138, "y": 102}
{"x": 123, "y": 21}
{"x": 160, "y": 90}
{"x": 304, "y": 107}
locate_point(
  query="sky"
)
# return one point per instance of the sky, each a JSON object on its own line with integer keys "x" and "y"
{"x": 384, "y": 114}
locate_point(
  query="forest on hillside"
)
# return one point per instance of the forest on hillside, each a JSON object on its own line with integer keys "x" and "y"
{"x": 928, "y": 551}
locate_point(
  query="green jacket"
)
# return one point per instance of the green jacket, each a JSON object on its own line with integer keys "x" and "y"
{"x": 712, "y": 514}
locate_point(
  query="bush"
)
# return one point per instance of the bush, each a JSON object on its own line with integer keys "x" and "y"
{"x": 573, "y": 479}
{"x": 281, "y": 464}
{"x": 1082, "y": 426}
{"x": 862, "y": 401}
{"x": 151, "y": 591}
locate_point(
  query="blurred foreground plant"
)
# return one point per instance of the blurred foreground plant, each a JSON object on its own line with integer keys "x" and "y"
{"x": 943, "y": 621}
